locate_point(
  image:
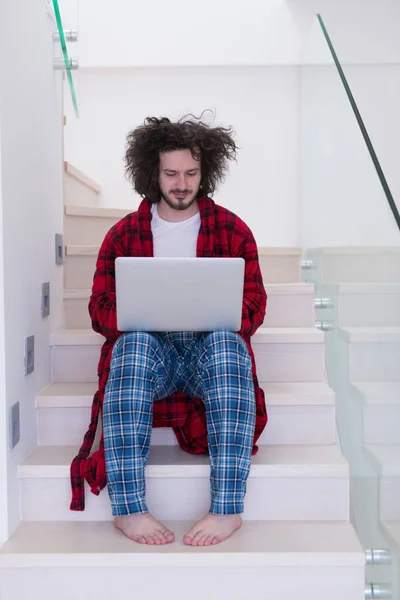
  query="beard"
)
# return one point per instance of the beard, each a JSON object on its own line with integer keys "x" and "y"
{"x": 180, "y": 203}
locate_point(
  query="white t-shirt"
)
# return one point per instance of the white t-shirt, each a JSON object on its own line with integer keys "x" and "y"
{"x": 174, "y": 239}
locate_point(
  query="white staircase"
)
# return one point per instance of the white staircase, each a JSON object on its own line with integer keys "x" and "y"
{"x": 364, "y": 367}
{"x": 296, "y": 540}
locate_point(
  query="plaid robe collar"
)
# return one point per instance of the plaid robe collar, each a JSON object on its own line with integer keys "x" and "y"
{"x": 205, "y": 240}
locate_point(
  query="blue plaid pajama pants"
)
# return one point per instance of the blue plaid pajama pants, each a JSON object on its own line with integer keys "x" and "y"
{"x": 145, "y": 367}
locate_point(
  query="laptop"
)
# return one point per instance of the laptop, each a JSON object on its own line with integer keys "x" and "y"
{"x": 179, "y": 294}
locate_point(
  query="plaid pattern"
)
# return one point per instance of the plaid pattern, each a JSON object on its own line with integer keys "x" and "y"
{"x": 147, "y": 367}
{"x": 221, "y": 233}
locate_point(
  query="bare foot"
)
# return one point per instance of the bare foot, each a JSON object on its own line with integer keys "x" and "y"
{"x": 213, "y": 529}
{"x": 143, "y": 528}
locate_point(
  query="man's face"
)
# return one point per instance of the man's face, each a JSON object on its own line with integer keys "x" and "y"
{"x": 179, "y": 179}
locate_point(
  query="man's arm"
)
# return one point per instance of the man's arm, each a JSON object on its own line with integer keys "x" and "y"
{"x": 102, "y": 303}
{"x": 254, "y": 295}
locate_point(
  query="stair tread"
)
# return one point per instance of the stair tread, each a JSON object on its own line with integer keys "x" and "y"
{"x": 392, "y": 528}
{"x": 263, "y": 251}
{"x": 371, "y": 334}
{"x": 377, "y": 392}
{"x": 273, "y": 289}
{"x": 81, "y": 177}
{"x": 278, "y": 394}
{"x": 257, "y": 543}
{"x": 363, "y": 288}
{"x": 270, "y": 335}
{"x": 270, "y": 461}
{"x": 386, "y": 458}
{"x": 96, "y": 211}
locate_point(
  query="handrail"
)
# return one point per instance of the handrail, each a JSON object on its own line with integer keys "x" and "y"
{"x": 65, "y": 55}
{"x": 360, "y": 122}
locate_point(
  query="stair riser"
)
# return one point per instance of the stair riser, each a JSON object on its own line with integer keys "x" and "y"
{"x": 172, "y": 498}
{"x": 79, "y": 269}
{"x": 86, "y": 230}
{"x": 275, "y": 362}
{"x": 329, "y": 583}
{"x": 369, "y": 310}
{"x": 78, "y": 194}
{"x": 377, "y": 361}
{"x": 382, "y": 424}
{"x": 283, "y": 311}
{"x": 287, "y": 425}
{"x": 389, "y": 498}
{"x": 348, "y": 268}
{"x": 280, "y": 269}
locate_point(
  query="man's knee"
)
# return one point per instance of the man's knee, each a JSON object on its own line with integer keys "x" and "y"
{"x": 135, "y": 341}
{"x": 226, "y": 340}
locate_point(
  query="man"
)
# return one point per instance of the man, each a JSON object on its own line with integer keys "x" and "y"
{"x": 204, "y": 385}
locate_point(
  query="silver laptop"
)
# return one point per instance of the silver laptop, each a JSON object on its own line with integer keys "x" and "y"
{"x": 179, "y": 294}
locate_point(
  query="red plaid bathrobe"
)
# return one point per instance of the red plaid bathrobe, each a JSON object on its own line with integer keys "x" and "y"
{"x": 221, "y": 234}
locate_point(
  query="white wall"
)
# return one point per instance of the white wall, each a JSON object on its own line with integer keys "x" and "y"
{"x": 268, "y": 102}
{"x": 181, "y": 33}
{"x": 177, "y": 33}
{"x": 261, "y": 103}
{"x": 341, "y": 199}
{"x": 376, "y": 90}
{"x": 31, "y": 195}
{"x": 3, "y": 397}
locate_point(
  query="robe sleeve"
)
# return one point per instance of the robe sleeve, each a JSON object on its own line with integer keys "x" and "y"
{"x": 102, "y": 303}
{"x": 254, "y": 294}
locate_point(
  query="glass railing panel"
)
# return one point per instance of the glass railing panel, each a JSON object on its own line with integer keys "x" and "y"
{"x": 67, "y": 60}
{"x": 349, "y": 230}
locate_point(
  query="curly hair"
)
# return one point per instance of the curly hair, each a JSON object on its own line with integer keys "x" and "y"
{"x": 214, "y": 146}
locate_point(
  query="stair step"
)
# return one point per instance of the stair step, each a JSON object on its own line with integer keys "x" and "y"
{"x": 299, "y": 413}
{"x": 356, "y": 264}
{"x": 364, "y": 304}
{"x": 289, "y": 305}
{"x": 83, "y": 250}
{"x": 79, "y": 190}
{"x": 378, "y": 393}
{"x": 392, "y": 529}
{"x": 272, "y": 335}
{"x": 381, "y": 411}
{"x": 81, "y": 177}
{"x": 100, "y": 212}
{"x": 373, "y": 353}
{"x": 55, "y": 558}
{"x": 371, "y": 334}
{"x": 282, "y": 354}
{"x": 278, "y": 265}
{"x": 89, "y": 224}
{"x": 285, "y": 483}
{"x": 385, "y": 458}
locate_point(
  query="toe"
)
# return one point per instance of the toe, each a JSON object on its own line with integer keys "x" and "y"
{"x": 167, "y": 535}
{"x": 156, "y": 538}
{"x": 161, "y": 536}
{"x": 202, "y": 540}
{"x": 188, "y": 537}
{"x": 149, "y": 540}
{"x": 196, "y": 538}
{"x": 208, "y": 540}
{"x": 139, "y": 538}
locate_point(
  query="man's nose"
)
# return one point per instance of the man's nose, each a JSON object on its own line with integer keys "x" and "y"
{"x": 182, "y": 182}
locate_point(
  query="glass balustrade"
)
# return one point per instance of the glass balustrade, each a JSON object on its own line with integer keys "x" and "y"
{"x": 350, "y": 235}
